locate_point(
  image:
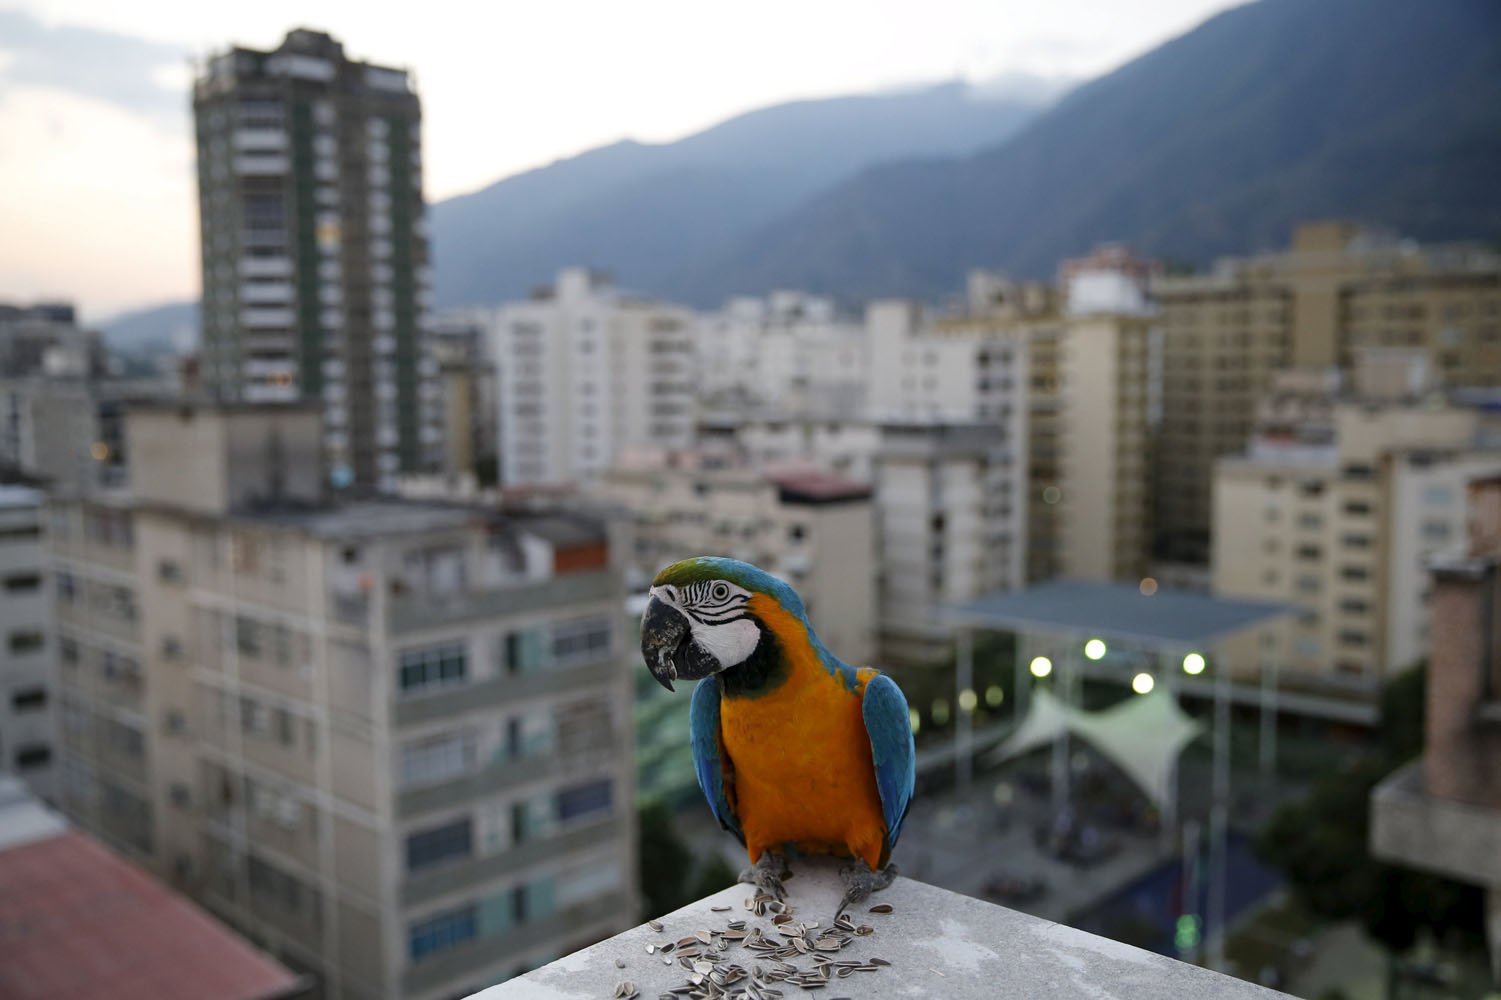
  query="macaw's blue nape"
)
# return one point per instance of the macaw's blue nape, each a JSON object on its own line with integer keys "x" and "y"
{"x": 795, "y": 750}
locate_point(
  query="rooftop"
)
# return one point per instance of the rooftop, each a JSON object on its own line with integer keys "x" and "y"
{"x": 78, "y": 922}
{"x": 934, "y": 943}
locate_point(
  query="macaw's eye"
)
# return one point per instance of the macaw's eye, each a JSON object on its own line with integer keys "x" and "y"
{"x": 720, "y": 592}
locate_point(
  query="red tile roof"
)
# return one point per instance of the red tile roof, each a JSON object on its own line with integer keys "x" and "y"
{"x": 78, "y": 922}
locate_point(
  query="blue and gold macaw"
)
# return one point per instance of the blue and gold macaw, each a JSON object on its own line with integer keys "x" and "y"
{"x": 795, "y": 750}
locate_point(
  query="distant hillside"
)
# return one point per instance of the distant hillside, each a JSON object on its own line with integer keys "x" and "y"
{"x": 648, "y": 212}
{"x": 1383, "y": 111}
{"x": 157, "y": 329}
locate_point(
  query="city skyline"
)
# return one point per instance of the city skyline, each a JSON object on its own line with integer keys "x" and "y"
{"x": 99, "y": 102}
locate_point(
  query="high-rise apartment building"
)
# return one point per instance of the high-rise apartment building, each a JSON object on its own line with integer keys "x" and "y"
{"x": 27, "y": 691}
{"x": 314, "y": 248}
{"x": 387, "y": 740}
{"x": 1335, "y": 508}
{"x": 585, "y": 371}
{"x": 1336, "y": 290}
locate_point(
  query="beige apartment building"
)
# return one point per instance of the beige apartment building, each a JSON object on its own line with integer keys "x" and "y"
{"x": 811, "y": 528}
{"x": 1336, "y": 290}
{"x": 1335, "y": 508}
{"x": 1092, "y": 377}
{"x": 389, "y": 741}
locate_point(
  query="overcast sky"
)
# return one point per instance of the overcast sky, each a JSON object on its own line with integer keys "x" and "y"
{"x": 97, "y": 194}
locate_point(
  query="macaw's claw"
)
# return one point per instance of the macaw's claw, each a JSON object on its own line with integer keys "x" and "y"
{"x": 860, "y": 882}
{"x": 767, "y": 874}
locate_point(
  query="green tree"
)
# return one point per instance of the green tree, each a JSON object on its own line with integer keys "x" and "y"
{"x": 665, "y": 861}
{"x": 1322, "y": 845}
{"x": 713, "y": 875}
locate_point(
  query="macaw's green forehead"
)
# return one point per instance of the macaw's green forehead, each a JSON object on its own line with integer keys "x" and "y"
{"x": 742, "y": 574}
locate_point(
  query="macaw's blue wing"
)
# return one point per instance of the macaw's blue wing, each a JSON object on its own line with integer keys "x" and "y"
{"x": 895, "y": 757}
{"x": 715, "y": 775}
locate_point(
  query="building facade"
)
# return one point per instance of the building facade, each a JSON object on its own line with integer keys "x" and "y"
{"x": 314, "y": 247}
{"x": 586, "y": 371}
{"x": 28, "y": 721}
{"x": 389, "y": 741}
{"x": 1335, "y": 508}
{"x": 813, "y": 529}
{"x": 1335, "y": 291}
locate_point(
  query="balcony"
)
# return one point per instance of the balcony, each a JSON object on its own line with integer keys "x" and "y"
{"x": 935, "y": 943}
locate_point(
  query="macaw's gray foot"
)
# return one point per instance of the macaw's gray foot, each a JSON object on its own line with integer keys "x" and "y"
{"x": 767, "y": 874}
{"x": 860, "y": 882}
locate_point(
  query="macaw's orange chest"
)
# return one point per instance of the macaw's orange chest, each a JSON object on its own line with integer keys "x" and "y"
{"x": 801, "y": 767}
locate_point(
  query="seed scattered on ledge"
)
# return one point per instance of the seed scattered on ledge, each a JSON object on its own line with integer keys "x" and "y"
{"x": 655, "y": 925}
{"x": 882, "y": 908}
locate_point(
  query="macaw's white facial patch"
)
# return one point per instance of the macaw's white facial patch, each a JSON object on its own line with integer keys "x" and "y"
{"x": 731, "y": 643}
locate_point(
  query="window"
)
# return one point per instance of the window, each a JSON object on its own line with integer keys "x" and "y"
{"x": 22, "y": 583}
{"x": 67, "y": 587}
{"x": 1309, "y": 552}
{"x": 68, "y": 650}
{"x": 29, "y": 699}
{"x": 584, "y": 800}
{"x": 247, "y": 636}
{"x": 443, "y": 931}
{"x": 1354, "y": 605}
{"x": 1350, "y": 637}
{"x": 1310, "y": 520}
{"x": 30, "y": 755}
{"x": 1356, "y": 541}
{"x": 168, "y": 571}
{"x": 1354, "y": 573}
{"x": 1357, "y": 508}
{"x": 432, "y": 668}
{"x": 440, "y": 758}
{"x": 580, "y": 639}
{"x": 445, "y": 843}
{"x": 26, "y": 641}
{"x": 1435, "y": 531}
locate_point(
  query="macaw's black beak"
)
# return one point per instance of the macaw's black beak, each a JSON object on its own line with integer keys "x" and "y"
{"x": 669, "y": 648}
{"x": 664, "y": 634}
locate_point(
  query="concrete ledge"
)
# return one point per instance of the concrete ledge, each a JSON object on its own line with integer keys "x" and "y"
{"x": 1412, "y": 828}
{"x": 939, "y": 944}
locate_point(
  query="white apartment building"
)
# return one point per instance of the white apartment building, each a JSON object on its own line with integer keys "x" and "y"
{"x": 788, "y": 352}
{"x": 1335, "y": 508}
{"x": 951, "y": 509}
{"x": 27, "y": 693}
{"x": 389, "y": 741}
{"x": 585, "y": 371}
{"x": 813, "y": 529}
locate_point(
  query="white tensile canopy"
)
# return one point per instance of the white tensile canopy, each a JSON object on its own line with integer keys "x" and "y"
{"x": 1143, "y": 735}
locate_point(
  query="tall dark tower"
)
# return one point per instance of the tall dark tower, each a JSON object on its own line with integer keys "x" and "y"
{"x": 315, "y": 257}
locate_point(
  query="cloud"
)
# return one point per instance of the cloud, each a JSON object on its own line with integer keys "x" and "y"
{"x": 131, "y": 73}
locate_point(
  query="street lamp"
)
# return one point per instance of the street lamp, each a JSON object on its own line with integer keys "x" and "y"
{"x": 1142, "y": 683}
{"x": 1095, "y": 649}
{"x": 1193, "y": 664}
{"x": 1041, "y": 666}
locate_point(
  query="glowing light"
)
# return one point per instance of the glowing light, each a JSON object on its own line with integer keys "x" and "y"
{"x": 940, "y": 711}
{"x": 916, "y": 719}
{"x": 968, "y": 700}
{"x": 994, "y": 696}
{"x": 1193, "y": 663}
{"x": 1041, "y": 666}
{"x": 1095, "y": 649}
{"x": 1142, "y": 683}
{"x": 100, "y": 451}
{"x": 1148, "y": 586}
